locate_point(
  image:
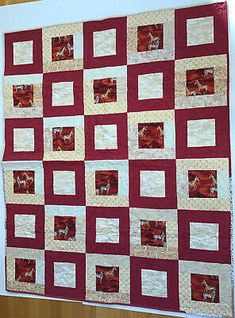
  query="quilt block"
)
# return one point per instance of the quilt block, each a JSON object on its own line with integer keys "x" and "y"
{"x": 117, "y": 161}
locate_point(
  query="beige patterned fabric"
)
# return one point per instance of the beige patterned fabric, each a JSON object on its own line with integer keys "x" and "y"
{"x": 168, "y": 20}
{"x": 76, "y": 245}
{"x": 63, "y": 65}
{"x": 170, "y": 250}
{"x": 167, "y": 118}
{"x": 189, "y": 305}
{"x": 15, "y": 112}
{"x": 93, "y": 108}
{"x": 219, "y": 98}
{"x": 123, "y": 263}
{"x": 23, "y": 198}
{"x": 38, "y": 255}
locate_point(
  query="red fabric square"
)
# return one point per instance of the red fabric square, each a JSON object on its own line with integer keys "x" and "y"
{"x": 223, "y": 255}
{"x": 37, "y": 125}
{"x": 123, "y": 247}
{"x": 167, "y": 102}
{"x": 99, "y": 154}
{"x": 147, "y": 42}
{"x": 23, "y": 242}
{"x": 222, "y": 148}
{"x": 24, "y": 181}
{"x": 64, "y": 228}
{"x": 23, "y": 95}
{"x": 78, "y": 168}
{"x": 110, "y": 285}
{"x": 154, "y": 138}
{"x": 103, "y": 61}
{"x": 106, "y": 182}
{"x": 202, "y": 184}
{"x": 25, "y": 270}
{"x": 171, "y": 267}
{"x": 62, "y": 48}
{"x": 65, "y": 292}
{"x": 205, "y": 288}
{"x": 153, "y": 233}
{"x": 220, "y": 45}
{"x": 36, "y": 66}
{"x": 200, "y": 82}
{"x": 105, "y": 90}
{"x": 63, "y": 138}
{"x": 167, "y": 202}
{"x": 71, "y": 110}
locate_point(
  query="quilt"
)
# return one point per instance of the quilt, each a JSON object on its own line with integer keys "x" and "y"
{"x": 117, "y": 161}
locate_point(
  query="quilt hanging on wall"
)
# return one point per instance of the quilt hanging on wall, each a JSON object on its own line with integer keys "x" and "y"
{"x": 117, "y": 161}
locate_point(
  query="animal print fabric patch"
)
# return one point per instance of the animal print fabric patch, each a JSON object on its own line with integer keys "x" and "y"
{"x": 117, "y": 161}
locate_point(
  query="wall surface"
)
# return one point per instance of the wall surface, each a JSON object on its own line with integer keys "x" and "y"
{"x": 49, "y": 12}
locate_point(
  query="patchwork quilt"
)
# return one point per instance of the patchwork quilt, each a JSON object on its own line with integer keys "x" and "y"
{"x": 117, "y": 161}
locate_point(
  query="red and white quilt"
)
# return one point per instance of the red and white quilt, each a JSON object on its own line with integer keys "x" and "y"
{"x": 117, "y": 161}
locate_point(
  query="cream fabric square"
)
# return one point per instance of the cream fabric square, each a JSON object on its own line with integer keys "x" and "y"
{"x": 119, "y": 73}
{"x": 200, "y": 31}
{"x": 64, "y": 275}
{"x": 64, "y": 182}
{"x": 154, "y": 283}
{"x": 62, "y": 94}
{"x": 76, "y": 30}
{"x": 25, "y": 253}
{"x": 170, "y": 250}
{"x": 23, "y": 139}
{"x": 23, "y": 52}
{"x": 225, "y": 307}
{"x": 221, "y": 203}
{"x": 204, "y": 236}
{"x": 78, "y": 244}
{"x": 77, "y": 122}
{"x": 104, "y": 43}
{"x": 107, "y": 230}
{"x": 218, "y": 99}
{"x": 152, "y": 184}
{"x": 106, "y": 137}
{"x": 165, "y": 17}
{"x": 150, "y": 86}
{"x": 24, "y": 198}
{"x": 25, "y": 225}
{"x": 10, "y": 111}
{"x": 167, "y": 117}
{"x": 201, "y": 133}
{"x": 120, "y": 261}
{"x": 121, "y": 198}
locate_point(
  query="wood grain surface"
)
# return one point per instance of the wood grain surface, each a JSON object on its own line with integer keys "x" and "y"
{"x": 19, "y": 307}
{"x": 8, "y": 2}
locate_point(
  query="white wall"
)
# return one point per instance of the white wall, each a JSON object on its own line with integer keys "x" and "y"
{"x": 50, "y": 12}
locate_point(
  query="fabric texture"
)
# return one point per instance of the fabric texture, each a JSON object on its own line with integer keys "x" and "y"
{"x": 117, "y": 161}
